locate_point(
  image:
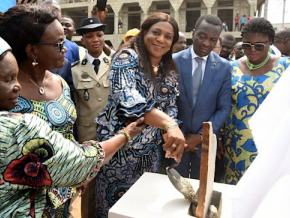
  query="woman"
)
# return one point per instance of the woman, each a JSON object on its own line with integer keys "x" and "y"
{"x": 143, "y": 84}
{"x": 253, "y": 77}
{"x": 38, "y": 46}
{"x": 33, "y": 157}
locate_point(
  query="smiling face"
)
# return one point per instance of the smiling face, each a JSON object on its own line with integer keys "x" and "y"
{"x": 256, "y": 57}
{"x": 158, "y": 40}
{"x": 68, "y": 27}
{"x": 94, "y": 41}
{"x": 205, "y": 38}
{"x": 9, "y": 86}
{"x": 49, "y": 56}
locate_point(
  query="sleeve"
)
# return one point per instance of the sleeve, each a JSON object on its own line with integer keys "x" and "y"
{"x": 170, "y": 97}
{"x": 130, "y": 89}
{"x": 39, "y": 157}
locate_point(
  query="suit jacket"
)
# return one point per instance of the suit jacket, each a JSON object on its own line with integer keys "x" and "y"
{"x": 214, "y": 97}
{"x": 91, "y": 94}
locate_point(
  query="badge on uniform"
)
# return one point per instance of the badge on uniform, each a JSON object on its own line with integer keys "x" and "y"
{"x": 84, "y": 62}
{"x": 86, "y": 95}
{"x": 106, "y": 60}
{"x": 85, "y": 77}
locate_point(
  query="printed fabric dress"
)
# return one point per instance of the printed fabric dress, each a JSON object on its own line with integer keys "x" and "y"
{"x": 60, "y": 114}
{"x": 33, "y": 158}
{"x": 248, "y": 93}
{"x": 131, "y": 95}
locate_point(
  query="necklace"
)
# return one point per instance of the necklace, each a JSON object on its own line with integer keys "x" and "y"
{"x": 155, "y": 68}
{"x": 255, "y": 67}
{"x": 40, "y": 88}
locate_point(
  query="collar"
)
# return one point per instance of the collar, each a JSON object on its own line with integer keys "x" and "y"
{"x": 91, "y": 58}
{"x": 194, "y": 55}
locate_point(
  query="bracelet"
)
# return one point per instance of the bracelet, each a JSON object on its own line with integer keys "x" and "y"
{"x": 128, "y": 138}
{"x": 170, "y": 125}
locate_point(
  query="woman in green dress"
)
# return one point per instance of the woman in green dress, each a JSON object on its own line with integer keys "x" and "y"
{"x": 253, "y": 77}
{"x": 34, "y": 158}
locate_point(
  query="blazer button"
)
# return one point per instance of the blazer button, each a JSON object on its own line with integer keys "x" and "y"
{"x": 99, "y": 99}
{"x": 98, "y": 85}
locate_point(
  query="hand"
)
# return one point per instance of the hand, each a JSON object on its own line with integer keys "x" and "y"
{"x": 82, "y": 189}
{"x": 220, "y": 153}
{"x": 192, "y": 140}
{"x": 135, "y": 128}
{"x": 174, "y": 136}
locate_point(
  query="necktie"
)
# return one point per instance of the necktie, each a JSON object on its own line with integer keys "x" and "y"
{"x": 196, "y": 79}
{"x": 96, "y": 63}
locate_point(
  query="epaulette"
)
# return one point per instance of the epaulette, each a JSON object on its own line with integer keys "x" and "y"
{"x": 74, "y": 63}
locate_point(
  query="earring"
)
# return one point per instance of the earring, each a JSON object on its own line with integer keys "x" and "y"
{"x": 34, "y": 63}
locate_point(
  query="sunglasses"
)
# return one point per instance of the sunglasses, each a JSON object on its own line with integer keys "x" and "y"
{"x": 60, "y": 45}
{"x": 259, "y": 46}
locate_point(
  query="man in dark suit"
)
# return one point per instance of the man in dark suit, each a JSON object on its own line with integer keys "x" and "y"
{"x": 205, "y": 90}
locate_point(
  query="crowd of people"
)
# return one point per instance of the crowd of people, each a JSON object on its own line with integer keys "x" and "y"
{"x": 79, "y": 125}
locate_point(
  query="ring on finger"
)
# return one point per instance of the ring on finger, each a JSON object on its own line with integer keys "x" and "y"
{"x": 174, "y": 145}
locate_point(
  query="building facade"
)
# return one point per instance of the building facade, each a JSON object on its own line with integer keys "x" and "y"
{"x": 131, "y": 13}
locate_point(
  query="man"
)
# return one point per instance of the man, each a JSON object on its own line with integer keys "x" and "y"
{"x": 238, "y": 51}
{"x": 205, "y": 90}
{"x": 281, "y": 45}
{"x": 243, "y": 21}
{"x": 237, "y": 21}
{"x": 180, "y": 44}
{"x": 227, "y": 46}
{"x": 91, "y": 82}
{"x": 72, "y": 53}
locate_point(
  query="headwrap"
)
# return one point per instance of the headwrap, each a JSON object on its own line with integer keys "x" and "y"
{"x": 3, "y": 46}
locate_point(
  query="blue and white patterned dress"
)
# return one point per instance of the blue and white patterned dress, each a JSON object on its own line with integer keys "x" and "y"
{"x": 131, "y": 95}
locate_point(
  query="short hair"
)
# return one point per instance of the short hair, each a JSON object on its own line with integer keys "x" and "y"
{"x": 138, "y": 42}
{"x": 209, "y": 18}
{"x": 281, "y": 35}
{"x": 68, "y": 17}
{"x": 229, "y": 37}
{"x": 22, "y": 25}
{"x": 259, "y": 25}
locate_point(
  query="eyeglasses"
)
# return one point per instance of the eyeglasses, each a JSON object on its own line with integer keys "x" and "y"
{"x": 60, "y": 45}
{"x": 259, "y": 46}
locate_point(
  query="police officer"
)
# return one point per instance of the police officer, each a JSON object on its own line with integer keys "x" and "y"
{"x": 91, "y": 83}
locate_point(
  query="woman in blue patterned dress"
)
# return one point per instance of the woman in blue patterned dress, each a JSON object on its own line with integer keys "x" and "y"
{"x": 37, "y": 40}
{"x": 143, "y": 84}
{"x": 253, "y": 77}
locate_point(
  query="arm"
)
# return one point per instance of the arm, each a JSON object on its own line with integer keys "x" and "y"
{"x": 33, "y": 143}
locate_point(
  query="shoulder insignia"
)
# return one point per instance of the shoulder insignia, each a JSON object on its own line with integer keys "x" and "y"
{"x": 84, "y": 62}
{"x": 106, "y": 60}
{"x": 74, "y": 63}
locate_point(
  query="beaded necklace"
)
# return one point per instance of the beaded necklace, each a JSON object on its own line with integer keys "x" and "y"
{"x": 255, "y": 67}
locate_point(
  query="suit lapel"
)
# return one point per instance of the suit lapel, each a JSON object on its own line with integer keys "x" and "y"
{"x": 207, "y": 78}
{"x": 186, "y": 67}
